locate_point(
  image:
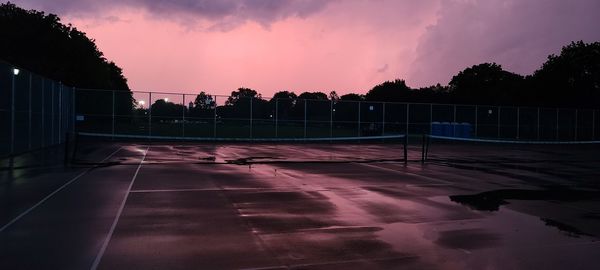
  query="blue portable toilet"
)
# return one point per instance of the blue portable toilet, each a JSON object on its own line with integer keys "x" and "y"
{"x": 447, "y": 129}
{"x": 466, "y": 130}
{"x": 436, "y": 129}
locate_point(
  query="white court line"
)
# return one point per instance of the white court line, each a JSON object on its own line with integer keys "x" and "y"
{"x": 54, "y": 192}
{"x": 114, "y": 224}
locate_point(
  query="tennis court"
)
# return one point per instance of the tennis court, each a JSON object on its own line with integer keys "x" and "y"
{"x": 132, "y": 204}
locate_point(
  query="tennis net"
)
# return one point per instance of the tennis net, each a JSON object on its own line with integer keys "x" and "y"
{"x": 86, "y": 148}
{"x": 481, "y": 150}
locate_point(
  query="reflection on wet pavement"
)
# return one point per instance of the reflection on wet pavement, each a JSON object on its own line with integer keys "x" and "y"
{"x": 237, "y": 207}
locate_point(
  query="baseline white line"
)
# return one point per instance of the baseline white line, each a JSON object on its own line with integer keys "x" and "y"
{"x": 54, "y": 192}
{"x": 114, "y": 224}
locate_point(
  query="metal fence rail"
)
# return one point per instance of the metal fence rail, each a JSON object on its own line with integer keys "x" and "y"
{"x": 183, "y": 115}
{"x": 35, "y": 112}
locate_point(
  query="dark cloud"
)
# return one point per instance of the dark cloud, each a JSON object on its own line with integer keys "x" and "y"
{"x": 223, "y": 14}
{"x": 514, "y": 33}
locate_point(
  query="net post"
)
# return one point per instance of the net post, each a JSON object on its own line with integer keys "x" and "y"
{"x": 183, "y": 116}
{"x": 113, "y": 116}
{"x": 30, "y": 115}
{"x": 276, "y": 117}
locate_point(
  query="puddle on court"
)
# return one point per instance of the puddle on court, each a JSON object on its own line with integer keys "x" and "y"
{"x": 492, "y": 200}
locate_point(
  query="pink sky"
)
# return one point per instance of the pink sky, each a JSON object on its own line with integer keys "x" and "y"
{"x": 308, "y": 45}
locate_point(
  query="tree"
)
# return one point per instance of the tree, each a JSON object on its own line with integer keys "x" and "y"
{"x": 162, "y": 108}
{"x": 334, "y": 96}
{"x": 396, "y": 91}
{"x": 241, "y": 93}
{"x": 352, "y": 97}
{"x": 488, "y": 83}
{"x": 204, "y": 101}
{"x": 41, "y": 43}
{"x": 571, "y": 78}
{"x": 313, "y": 96}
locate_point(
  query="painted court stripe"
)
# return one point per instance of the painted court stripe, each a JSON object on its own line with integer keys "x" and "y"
{"x": 54, "y": 192}
{"x": 114, "y": 224}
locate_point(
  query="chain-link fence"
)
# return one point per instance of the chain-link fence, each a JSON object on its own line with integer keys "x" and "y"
{"x": 213, "y": 116}
{"x": 35, "y": 112}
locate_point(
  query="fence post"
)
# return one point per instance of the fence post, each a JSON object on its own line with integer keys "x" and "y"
{"x": 454, "y": 123}
{"x": 498, "y": 136}
{"x": 183, "y": 116}
{"x": 359, "y": 118}
{"x": 251, "y": 117}
{"x": 557, "y": 124}
{"x": 12, "y": 113}
{"x": 73, "y": 111}
{"x": 538, "y": 123}
{"x": 518, "y": 122}
{"x": 305, "y": 118}
{"x": 150, "y": 114}
{"x": 407, "y": 118}
{"x": 430, "y": 118}
{"x": 576, "y": 116}
{"x": 593, "y": 124}
{"x": 52, "y": 115}
{"x": 43, "y": 129}
{"x": 476, "y": 119}
{"x": 113, "y": 116}
{"x": 277, "y": 118}
{"x": 215, "y": 119}
{"x": 60, "y": 136}
{"x": 331, "y": 118}
{"x": 30, "y": 116}
{"x": 383, "y": 121}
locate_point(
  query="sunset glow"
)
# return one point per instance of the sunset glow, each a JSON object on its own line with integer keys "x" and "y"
{"x": 346, "y": 46}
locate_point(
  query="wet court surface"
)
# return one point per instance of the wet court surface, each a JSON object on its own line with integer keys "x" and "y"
{"x": 312, "y": 206}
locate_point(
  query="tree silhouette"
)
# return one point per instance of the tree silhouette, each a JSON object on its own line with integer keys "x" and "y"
{"x": 352, "y": 97}
{"x": 41, "y": 43}
{"x": 396, "y": 91}
{"x": 571, "y": 78}
{"x": 487, "y": 83}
